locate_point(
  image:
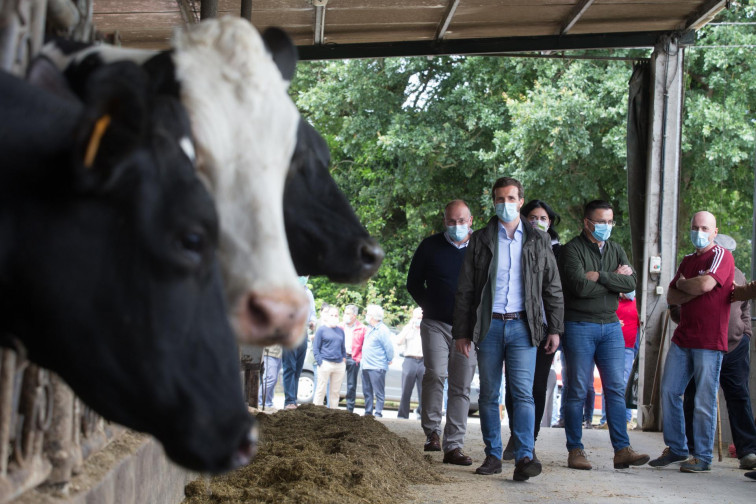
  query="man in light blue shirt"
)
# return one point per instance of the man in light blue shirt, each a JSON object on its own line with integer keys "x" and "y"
{"x": 509, "y": 285}
{"x": 377, "y": 354}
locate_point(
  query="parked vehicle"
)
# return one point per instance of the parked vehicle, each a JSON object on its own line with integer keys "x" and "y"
{"x": 393, "y": 392}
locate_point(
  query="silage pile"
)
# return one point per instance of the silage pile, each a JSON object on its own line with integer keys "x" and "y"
{"x": 316, "y": 455}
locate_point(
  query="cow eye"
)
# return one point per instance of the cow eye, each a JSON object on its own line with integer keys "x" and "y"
{"x": 193, "y": 241}
{"x": 193, "y": 244}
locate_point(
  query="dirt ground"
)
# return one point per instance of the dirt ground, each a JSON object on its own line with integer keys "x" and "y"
{"x": 559, "y": 484}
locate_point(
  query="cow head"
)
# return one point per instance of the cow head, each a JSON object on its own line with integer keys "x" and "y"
{"x": 325, "y": 236}
{"x": 246, "y": 127}
{"x": 108, "y": 273}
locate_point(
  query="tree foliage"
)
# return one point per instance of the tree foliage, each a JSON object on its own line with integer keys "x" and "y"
{"x": 407, "y": 135}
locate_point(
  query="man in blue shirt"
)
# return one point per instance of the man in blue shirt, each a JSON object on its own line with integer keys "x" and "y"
{"x": 508, "y": 287}
{"x": 377, "y": 354}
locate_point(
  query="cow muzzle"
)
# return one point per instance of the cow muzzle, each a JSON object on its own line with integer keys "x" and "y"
{"x": 276, "y": 317}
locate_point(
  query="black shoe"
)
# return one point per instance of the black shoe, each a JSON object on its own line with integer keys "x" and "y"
{"x": 751, "y": 474}
{"x": 526, "y": 468}
{"x": 492, "y": 465}
{"x": 432, "y": 443}
{"x": 509, "y": 451}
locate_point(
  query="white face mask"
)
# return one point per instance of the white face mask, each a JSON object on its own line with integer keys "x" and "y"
{"x": 542, "y": 225}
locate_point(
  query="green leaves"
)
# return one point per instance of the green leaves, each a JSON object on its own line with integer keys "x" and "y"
{"x": 407, "y": 135}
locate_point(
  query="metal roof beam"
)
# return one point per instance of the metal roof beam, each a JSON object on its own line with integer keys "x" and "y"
{"x": 320, "y": 11}
{"x": 246, "y": 9}
{"x": 575, "y": 15}
{"x": 208, "y": 9}
{"x": 488, "y": 45}
{"x": 448, "y": 15}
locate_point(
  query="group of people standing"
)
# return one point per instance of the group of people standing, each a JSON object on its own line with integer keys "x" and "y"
{"x": 340, "y": 349}
{"x": 507, "y": 295}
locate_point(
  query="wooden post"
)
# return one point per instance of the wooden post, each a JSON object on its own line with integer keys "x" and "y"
{"x": 208, "y": 9}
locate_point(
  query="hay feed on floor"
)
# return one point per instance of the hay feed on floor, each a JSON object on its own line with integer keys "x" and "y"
{"x": 316, "y": 455}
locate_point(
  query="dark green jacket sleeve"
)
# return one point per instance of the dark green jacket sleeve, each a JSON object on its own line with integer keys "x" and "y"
{"x": 615, "y": 282}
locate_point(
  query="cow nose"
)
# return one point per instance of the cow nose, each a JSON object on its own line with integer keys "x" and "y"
{"x": 371, "y": 255}
{"x": 247, "y": 449}
{"x": 275, "y": 317}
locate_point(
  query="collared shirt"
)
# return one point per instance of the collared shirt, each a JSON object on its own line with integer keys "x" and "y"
{"x": 348, "y": 335}
{"x": 458, "y": 245}
{"x": 508, "y": 297}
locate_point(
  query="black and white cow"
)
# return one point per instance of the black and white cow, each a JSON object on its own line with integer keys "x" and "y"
{"x": 108, "y": 274}
{"x": 267, "y": 169}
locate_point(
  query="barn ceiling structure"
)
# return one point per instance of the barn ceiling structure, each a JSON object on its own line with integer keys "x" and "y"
{"x": 340, "y": 29}
{"x": 325, "y": 29}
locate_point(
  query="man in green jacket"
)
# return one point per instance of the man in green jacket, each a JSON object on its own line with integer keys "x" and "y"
{"x": 594, "y": 271}
{"x": 508, "y": 300}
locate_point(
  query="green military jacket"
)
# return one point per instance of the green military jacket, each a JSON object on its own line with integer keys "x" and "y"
{"x": 473, "y": 303}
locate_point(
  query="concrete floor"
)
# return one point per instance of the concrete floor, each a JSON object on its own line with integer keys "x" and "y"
{"x": 559, "y": 484}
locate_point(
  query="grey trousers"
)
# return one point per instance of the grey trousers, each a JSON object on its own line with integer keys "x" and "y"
{"x": 442, "y": 361}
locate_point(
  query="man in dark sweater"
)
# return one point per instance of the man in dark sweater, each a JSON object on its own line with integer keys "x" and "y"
{"x": 432, "y": 282}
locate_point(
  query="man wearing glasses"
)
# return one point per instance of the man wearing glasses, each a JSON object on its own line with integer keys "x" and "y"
{"x": 594, "y": 271}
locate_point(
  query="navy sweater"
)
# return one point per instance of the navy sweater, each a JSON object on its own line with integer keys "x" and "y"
{"x": 432, "y": 277}
{"x": 328, "y": 345}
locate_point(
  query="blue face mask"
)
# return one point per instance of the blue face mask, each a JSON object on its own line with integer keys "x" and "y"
{"x": 700, "y": 239}
{"x": 630, "y": 295}
{"x": 507, "y": 211}
{"x": 602, "y": 232}
{"x": 303, "y": 280}
{"x": 458, "y": 233}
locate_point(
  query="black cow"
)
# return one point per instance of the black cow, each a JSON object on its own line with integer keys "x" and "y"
{"x": 325, "y": 236}
{"x": 108, "y": 273}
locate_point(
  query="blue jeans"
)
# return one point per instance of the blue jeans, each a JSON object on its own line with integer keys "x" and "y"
{"x": 703, "y": 366}
{"x": 590, "y": 396}
{"x": 629, "y": 358}
{"x": 352, "y": 371}
{"x": 272, "y": 367}
{"x": 374, "y": 383}
{"x": 507, "y": 342}
{"x": 292, "y": 362}
{"x": 585, "y": 343}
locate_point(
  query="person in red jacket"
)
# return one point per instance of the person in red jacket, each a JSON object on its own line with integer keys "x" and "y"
{"x": 354, "y": 332}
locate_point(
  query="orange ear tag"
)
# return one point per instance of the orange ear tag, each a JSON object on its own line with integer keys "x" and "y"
{"x": 94, "y": 142}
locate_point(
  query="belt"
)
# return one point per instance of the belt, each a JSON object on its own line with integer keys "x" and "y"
{"x": 509, "y": 316}
{"x": 413, "y": 357}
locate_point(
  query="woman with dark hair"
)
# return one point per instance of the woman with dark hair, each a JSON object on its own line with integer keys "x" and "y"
{"x": 540, "y": 216}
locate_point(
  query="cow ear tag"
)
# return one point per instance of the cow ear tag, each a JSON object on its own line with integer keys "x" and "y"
{"x": 94, "y": 141}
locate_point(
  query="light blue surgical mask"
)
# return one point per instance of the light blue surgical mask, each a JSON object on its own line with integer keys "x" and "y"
{"x": 630, "y": 295}
{"x": 601, "y": 232}
{"x": 458, "y": 233}
{"x": 303, "y": 280}
{"x": 700, "y": 239}
{"x": 507, "y": 211}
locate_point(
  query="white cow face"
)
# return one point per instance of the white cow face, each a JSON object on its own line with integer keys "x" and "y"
{"x": 245, "y": 127}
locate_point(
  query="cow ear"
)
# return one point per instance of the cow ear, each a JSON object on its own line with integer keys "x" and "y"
{"x": 113, "y": 126}
{"x": 43, "y": 73}
{"x": 283, "y": 50}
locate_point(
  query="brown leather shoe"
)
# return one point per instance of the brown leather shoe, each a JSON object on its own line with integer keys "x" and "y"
{"x": 526, "y": 468}
{"x": 626, "y": 457}
{"x": 577, "y": 460}
{"x": 492, "y": 465}
{"x": 457, "y": 457}
{"x": 432, "y": 443}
